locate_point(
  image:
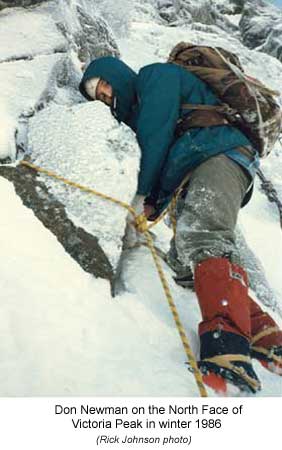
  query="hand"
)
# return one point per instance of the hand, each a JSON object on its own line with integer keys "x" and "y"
{"x": 149, "y": 210}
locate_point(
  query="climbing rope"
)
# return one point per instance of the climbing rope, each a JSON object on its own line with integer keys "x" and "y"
{"x": 142, "y": 227}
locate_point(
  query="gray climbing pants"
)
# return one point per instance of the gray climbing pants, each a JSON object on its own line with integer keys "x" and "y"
{"x": 207, "y": 215}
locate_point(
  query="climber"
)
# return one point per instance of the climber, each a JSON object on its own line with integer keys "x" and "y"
{"x": 218, "y": 164}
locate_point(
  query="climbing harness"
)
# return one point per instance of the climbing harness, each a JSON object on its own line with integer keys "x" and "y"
{"x": 140, "y": 222}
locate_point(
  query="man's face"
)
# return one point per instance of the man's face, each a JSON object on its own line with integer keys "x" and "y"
{"x": 104, "y": 92}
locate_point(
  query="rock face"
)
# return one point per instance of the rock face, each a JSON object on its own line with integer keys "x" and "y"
{"x": 11, "y": 3}
{"x": 238, "y": 6}
{"x": 41, "y": 67}
{"x": 82, "y": 246}
{"x": 89, "y": 147}
{"x": 60, "y": 27}
{"x": 261, "y": 27}
{"x": 94, "y": 39}
{"x": 168, "y": 9}
{"x": 176, "y": 12}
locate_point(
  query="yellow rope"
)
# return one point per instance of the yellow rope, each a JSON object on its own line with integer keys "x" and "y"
{"x": 141, "y": 226}
{"x": 181, "y": 331}
{"x": 159, "y": 219}
{"x": 78, "y": 186}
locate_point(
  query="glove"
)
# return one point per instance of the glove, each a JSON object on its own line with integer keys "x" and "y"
{"x": 138, "y": 204}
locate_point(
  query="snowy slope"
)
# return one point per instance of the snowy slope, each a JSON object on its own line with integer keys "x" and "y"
{"x": 61, "y": 332}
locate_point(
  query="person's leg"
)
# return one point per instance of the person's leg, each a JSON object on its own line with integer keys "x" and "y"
{"x": 205, "y": 236}
{"x": 206, "y": 226}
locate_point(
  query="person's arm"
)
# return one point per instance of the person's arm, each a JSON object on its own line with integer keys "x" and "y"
{"x": 159, "y": 111}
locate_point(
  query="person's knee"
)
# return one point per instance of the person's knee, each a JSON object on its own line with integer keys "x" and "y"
{"x": 195, "y": 246}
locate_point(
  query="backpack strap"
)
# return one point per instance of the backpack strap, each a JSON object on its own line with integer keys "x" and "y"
{"x": 203, "y": 116}
{"x": 224, "y": 108}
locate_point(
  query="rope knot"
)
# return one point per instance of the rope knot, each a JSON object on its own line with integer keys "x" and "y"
{"x": 140, "y": 223}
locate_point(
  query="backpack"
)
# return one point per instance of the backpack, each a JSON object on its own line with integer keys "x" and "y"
{"x": 246, "y": 103}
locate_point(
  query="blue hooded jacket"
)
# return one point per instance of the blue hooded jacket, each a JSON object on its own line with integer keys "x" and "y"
{"x": 150, "y": 103}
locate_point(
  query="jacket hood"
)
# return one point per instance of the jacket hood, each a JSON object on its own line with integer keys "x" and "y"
{"x": 122, "y": 79}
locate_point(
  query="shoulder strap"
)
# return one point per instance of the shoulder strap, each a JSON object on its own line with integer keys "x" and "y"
{"x": 224, "y": 108}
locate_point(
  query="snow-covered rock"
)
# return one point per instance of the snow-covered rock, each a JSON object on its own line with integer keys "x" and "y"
{"x": 85, "y": 144}
{"x": 261, "y": 27}
{"x": 117, "y": 13}
{"x": 230, "y": 7}
{"x": 34, "y": 33}
{"x": 24, "y": 3}
{"x": 177, "y": 12}
{"x": 168, "y": 9}
{"x": 94, "y": 38}
{"x": 83, "y": 337}
{"x": 22, "y": 83}
{"x": 57, "y": 37}
{"x": 56, "y": 27}
{"x": 83, "y": 247}
{"x": 7, "y": 135}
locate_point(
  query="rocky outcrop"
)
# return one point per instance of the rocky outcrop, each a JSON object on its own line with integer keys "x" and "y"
{"x": 11, "y": 3}
{"x": 261, "y": 28}
{"x": 238, "y": 6}
{"x": 63, "y": 27}
{"x": 230, "y": 7}
{"x": 81, "y": 246}
{"x": 94, "y": 39}
{"x": 42, "y": 66}
{"x": 87, "y": 146}
{"x": 177, "y": 12}
{"x": 168, "y": 9}
{"x": 49, "y": 56}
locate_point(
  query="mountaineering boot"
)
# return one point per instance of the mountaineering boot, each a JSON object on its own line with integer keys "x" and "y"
{"x": 185, "y": 278}
{"x": 266, "y": 336}
{"x": 225, "y": 332}
{"x": 266, "y": 340}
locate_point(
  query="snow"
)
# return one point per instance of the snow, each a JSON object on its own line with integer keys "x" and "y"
{"x": 7, "y": 134}
{"x": 150, "y": 42}
{"x": 235, "y": 18}
{"x": 61, "y": 332}
{"x": 65, "y": 323}
{"x": 42, "y": 37}
{"x": 260, "y": 224}
{"x": 21, "y": 85}
{"x": 88, "y": 146}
